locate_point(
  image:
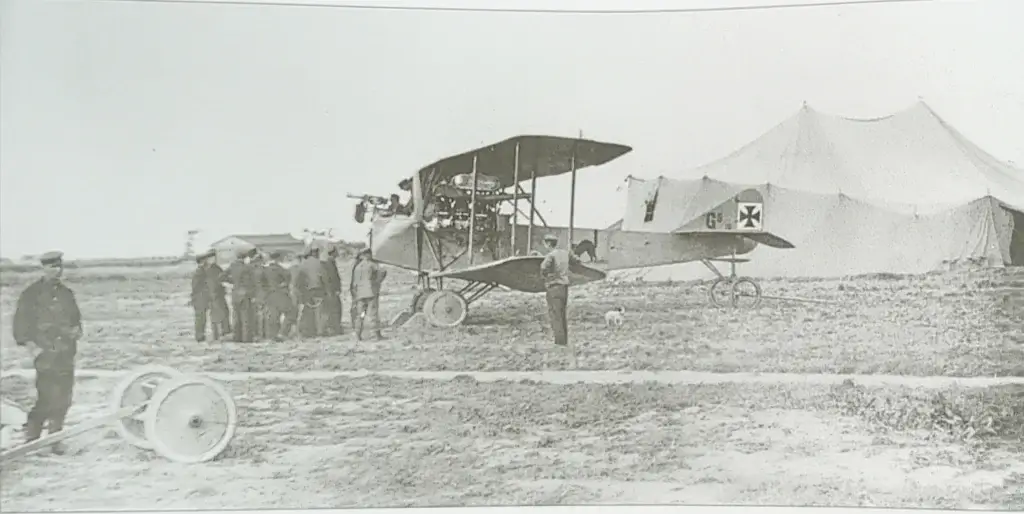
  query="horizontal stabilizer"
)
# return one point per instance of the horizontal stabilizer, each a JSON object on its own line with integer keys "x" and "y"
{"x": 769, "y": 239}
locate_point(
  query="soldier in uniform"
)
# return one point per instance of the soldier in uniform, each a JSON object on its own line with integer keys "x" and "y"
{"x": 259, "y": 298}
{"x": 48, "y": 321}
{"x": 220, "y": 314}
{"x": 242, "y": 278}
{"x": 279, "y": 302}
{"x": 332, "y": 298}
{"x": 201, "y": 299}
{"x": 366, "y": 279}
{"x": 310, "y": 291}
{"x": 555, "y": 271}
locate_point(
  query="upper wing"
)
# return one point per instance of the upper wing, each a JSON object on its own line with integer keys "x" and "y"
{"x": 519, "y": 273}
{"x": 543, "y": 156}
{"x": 741, "y": 215}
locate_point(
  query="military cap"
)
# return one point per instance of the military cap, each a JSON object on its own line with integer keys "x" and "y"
{"x": 51, "y": 258}
{"x": 551, "y": 237}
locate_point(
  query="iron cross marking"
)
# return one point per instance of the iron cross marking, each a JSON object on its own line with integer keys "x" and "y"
{"x": 750, "y": 216}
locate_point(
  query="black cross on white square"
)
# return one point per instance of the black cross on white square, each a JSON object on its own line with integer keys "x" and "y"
{"x": 748, "y": 216}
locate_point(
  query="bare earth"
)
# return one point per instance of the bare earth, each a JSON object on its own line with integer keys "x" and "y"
{"x": 376, "y": 441}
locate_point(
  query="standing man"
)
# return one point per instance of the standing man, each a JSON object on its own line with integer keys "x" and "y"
{"x": 242, "y": 278}
{"x": 48, "y": 321}
{"x": 259, "y": 298}
{"x": 220, "y": 314}
{"x": 201, "y": 300}
{"x": 555, "y": 271}
{"x": 332, "y": 287}
{"x": 278, "y": 301}
{"x": 310, "y": 292}
{"x": 367, "y": 277}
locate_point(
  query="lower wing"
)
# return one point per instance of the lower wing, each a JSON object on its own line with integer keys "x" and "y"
{"x": 518, "y": 273}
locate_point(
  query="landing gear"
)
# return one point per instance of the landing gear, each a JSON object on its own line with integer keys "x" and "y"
{"x": 419, "y": 299}
{"x": 732, "y": 290}
{"x": 445, "y": 308}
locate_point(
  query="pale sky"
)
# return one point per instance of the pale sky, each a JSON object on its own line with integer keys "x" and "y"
{"x": 122, "y": 126}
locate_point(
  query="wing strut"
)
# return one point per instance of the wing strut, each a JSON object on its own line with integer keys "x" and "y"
{"x": 515, "y": 199}
{"x": 472, "y": 212}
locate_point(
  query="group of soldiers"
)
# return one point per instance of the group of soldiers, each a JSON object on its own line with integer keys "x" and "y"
{"x": 272, "y": 297}
{"x": 267, "y": 299}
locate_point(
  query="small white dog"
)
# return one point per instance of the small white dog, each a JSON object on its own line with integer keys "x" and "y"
{"x": 614, "y": 317}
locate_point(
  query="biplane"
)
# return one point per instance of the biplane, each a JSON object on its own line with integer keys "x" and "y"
{"x": 463, "y": 222}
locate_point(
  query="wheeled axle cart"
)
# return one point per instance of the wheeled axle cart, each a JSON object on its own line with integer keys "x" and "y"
{"x": 183, "y": 418}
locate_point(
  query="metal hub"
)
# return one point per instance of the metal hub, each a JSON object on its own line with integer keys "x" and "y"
{"x": 195, "y": 422}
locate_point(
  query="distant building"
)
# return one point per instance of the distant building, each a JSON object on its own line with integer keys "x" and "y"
{"x": 228, "y": 247}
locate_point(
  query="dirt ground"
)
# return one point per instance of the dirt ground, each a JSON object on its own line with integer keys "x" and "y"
{"x": 377, "y": 441}
{"x": 956, "y": 325}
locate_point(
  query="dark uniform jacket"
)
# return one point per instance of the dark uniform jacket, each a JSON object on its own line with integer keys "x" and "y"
{"x": 202, "y": 293}
{"x": 259, "y": 278}
{"x": 218, "y": 297}
{"x": 47, "y": 315}
{"x": 332, "y": 278}
{"x": 243, "y": 277}
{"x": 277, "y": 279}
{"x": 215, "y": 277}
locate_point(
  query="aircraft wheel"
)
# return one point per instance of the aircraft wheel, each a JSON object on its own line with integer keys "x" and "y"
{"x": 137, "y": 389}
{"x": 419, "y": 299}
{"x": 446, "y": 309}
{"x": 191, "y": 419}
{"x": 741, "y": 292}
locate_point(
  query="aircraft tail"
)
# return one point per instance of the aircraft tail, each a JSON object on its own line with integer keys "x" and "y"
{"x": 741, "y": 215}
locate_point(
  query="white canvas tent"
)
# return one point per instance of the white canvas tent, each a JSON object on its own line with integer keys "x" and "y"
{"x": 900, "y": 194}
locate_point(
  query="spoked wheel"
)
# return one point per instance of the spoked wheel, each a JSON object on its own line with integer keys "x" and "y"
{"x": 191, "y": 419}
{"x": 136, "y": 389}
{"x": 445, "y": 309}
{"x": 419, "y": 299}
{"x": 740, "y": 292}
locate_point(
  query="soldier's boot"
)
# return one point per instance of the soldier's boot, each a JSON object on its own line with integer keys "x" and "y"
{"x": 33, "y": 429}
{"x": 377, "y": 335}
{"x": 56, "y": 425}
{"x": 215, "y": 329}
{"x": 358, "y": 329}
